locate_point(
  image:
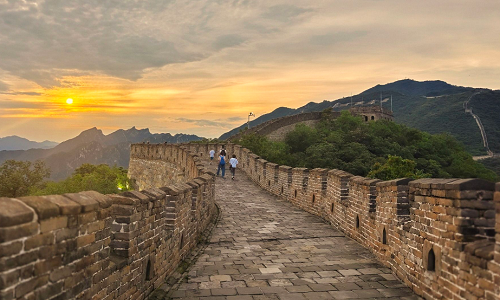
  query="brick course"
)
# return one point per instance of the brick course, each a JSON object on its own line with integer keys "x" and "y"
{"x": 439, "y": 236}
{"x": 92, "y": 246}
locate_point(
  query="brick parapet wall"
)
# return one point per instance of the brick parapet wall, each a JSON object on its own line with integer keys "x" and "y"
{"x": 273, "y": 126}
{"x": 276, "y": 129}
{"x": 270, "y": 126}
{"x": 92, "y": 246}
{"x": 494, "y": 265}
{"x": 437, "y": 235}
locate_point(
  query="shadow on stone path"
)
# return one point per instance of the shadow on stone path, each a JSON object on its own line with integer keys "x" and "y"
{"x": 265, "y": 248}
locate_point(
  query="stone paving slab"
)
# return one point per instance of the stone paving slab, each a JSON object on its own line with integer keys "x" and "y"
{"x": 265, "y": 248}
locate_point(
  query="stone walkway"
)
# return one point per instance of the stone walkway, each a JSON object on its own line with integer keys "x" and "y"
{"x": 264, "y": 248}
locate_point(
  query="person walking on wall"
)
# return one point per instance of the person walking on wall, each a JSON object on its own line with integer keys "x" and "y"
{"x": 212, "y": 154}
{"x": 222, "y": 163}
{"x": 233, "y": 162}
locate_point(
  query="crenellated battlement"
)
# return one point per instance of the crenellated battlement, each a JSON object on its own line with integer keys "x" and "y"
{"x": 92, "y": 246}
{"x": 441, "y": 237}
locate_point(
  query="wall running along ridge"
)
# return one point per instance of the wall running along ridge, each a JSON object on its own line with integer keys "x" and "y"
{"x": 441, "y": 237}
{"x": 93, "y": 246}
{"x": 277, "y": 129}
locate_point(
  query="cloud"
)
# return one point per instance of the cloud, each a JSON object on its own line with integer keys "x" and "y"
{"x": 10, "y": 104}
{"x": 43, "y": 40}
{"x": 235, "y": 119}
{"x": 336, "y": 37}
{"x": 224, "y": 123}
{"x": 202, "y": 123}
{"x": 284, "y": 12}
{"x": 22, "y": 93}
{"x": 187, "y": 59}
{"x": 3, "y": 86}
{"x": 228, "y": 40}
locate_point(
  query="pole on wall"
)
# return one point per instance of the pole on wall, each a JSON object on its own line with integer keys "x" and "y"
{"x": 380, "y": 101}
{"x": 248, "y": 122}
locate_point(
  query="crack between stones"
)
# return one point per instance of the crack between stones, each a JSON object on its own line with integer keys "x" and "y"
{"x": 276, "y": 239}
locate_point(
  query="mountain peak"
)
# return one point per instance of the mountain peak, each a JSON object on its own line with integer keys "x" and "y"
{"x": 14, "y": 142}
{"x": 412, "y": 87}
{"x": 134, "y": 129}
{"x": 91, "y": 132}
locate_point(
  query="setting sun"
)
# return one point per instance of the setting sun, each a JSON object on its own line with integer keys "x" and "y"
{"x": 69, "y": 101}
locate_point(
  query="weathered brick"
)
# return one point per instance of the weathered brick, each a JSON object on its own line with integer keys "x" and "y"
{"x": 30, "y": 285}
{"x": 66, "y": 233}
{"x": 66, "y": 206}
{"x": 87, "y": 203}
{"x": 17, "y": 231}
{"x": 123, "y": 210}
{"x": 60, "y": 273}
{"x": 85, "y": 240}
{"x": 103, "y": 200}
{"x": 44, "y": 209}
{"x": 39, "y": 240}
{"x": 45, "y": 266}
{"x": 87, "y": 218}
{"x": 48, "y": 291}
{"x": 14, "y": 212}
{"x": 8, "y": 279}
{"x": 10, "y": 249}
{"x": 53, "y": 224}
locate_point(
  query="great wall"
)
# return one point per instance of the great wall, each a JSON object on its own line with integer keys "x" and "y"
{"x": 441, "y": 237}
{"x": 93, "y": 246}
{"x": 276, "y": 129}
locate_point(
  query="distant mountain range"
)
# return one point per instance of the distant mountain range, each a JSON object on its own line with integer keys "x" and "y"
{"x": 92, "y": 146}
{"x": 432, "y": 106}
{"x": 15, "y": 142}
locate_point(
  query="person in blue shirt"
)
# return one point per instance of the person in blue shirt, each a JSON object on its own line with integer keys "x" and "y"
{"x": 222, "y": 163}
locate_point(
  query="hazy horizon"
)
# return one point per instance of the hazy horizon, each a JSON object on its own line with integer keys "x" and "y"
{"x": 201, "y": 67}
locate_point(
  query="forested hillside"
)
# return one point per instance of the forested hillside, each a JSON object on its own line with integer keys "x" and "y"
{"x": 93, "y": 147}
{"x": 381, "y": 149}
{"x": 431, "y": 106}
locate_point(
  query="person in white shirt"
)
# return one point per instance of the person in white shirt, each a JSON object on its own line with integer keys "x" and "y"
{"x": 233, "y": 162}
{"x": 212, "y": 154}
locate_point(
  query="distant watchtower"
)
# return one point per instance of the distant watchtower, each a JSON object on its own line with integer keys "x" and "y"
{"x": 372, "y": 113}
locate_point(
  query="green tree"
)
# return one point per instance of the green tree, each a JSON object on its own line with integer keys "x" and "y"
{"x": 492, "y": 163}
{"x": 276, "y": 152}
{"x": 350, "y": 144}
{"x": 207, "y": 141}
{"x": 101, "y": 178}
{"x": 396, "y": 167}
{"x": 301, "y": 138}
{"x": 18, "y": 177}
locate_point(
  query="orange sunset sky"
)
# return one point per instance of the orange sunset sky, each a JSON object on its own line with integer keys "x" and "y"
{"x": 200, "y": 67}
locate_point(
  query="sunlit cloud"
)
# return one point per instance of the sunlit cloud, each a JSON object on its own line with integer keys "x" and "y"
{"x": 201, "y": 66}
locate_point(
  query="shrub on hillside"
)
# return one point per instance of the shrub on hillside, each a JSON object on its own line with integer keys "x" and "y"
{"x": 101, "y": 178}
{"x": 17, "y": 177}
{"x": 347, "y": 143}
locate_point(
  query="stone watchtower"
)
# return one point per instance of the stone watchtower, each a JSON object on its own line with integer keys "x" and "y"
{"x": 372, "y": 113}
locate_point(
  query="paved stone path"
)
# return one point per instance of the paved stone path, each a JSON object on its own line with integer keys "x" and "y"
{"x": 264, "y": 248}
